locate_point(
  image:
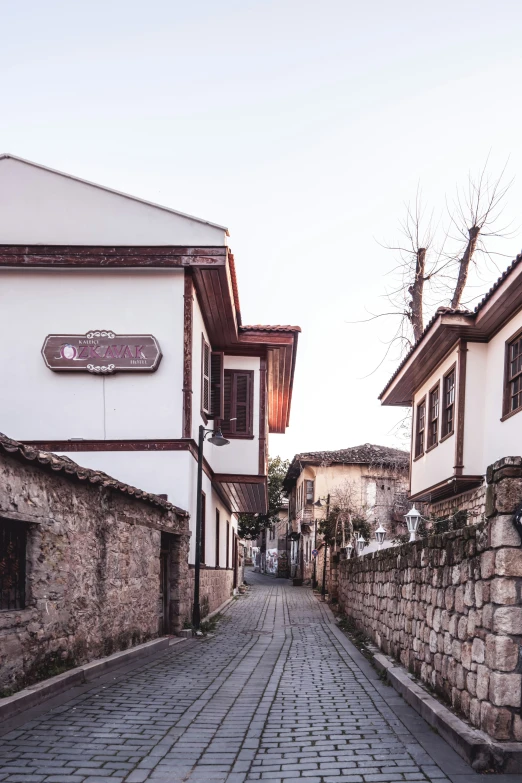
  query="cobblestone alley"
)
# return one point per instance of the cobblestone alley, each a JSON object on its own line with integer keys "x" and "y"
{"x": 278, "y": 693}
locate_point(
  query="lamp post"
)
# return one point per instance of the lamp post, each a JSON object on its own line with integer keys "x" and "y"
{"x": 216, "y": 439}
{"x": 412, "y": 520}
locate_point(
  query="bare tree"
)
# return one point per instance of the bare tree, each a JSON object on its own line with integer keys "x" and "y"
{"x": 475, "y": 216}
{"x": 434, "y": 257}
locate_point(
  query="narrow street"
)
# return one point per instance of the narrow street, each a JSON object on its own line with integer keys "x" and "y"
{"x": 278, "y": 693}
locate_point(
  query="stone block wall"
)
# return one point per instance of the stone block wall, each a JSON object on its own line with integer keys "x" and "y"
{"x": 474, "y": 502}
{"x": 449, "y": 608}
{"x": 215, "y": 587}
{"x": 92, "y": 566}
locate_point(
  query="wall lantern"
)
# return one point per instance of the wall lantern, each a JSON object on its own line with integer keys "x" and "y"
{"x": 360, "y": 544}
{"x": 349, "y": 550}
{"x": 412, "y": 520}
{"x": 380, "y": 534}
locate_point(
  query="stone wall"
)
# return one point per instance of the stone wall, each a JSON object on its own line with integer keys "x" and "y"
{"x": 474, "y": 502}
{"x": 215, "y": 587}
{"x": 449, "y": 608}
{"x": 92, "y": 565}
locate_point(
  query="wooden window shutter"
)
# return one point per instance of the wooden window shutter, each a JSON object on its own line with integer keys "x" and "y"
{"x": 242, "y": 389}
{"x": 238, "y": 403}
{"x": 205, "y": 376}
{"x": 216, "y": 410}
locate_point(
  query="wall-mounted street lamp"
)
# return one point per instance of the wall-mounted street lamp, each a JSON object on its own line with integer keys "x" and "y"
{"x": 412, "y": 520}
{"x": 216, "y": 439}
{"x": 380, "y": 535}
{"x": 360, "y": 544}
{"x": 349, "y": 550}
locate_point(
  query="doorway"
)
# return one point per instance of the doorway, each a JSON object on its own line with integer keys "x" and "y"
{"x": 167, "y": 552}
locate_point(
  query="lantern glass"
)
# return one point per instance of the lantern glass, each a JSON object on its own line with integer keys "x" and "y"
{"x": 349, "y": 550}
{"x": 380, "y": 534}
{"x": 360, "y": 544}
{"x": 412, "y": 520}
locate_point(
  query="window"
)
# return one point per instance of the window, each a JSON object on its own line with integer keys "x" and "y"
{"x": 421, "y": 425}
{"x": 309, "y": 492}
{"x": 203, "y": 527}
{"x": 217, "y": 537}
{"x": 238, "y": 404}
{"x": 448, "y": 403}
{"x": 13, "y": 536}
{"x": 513, "y": 376}
{"x": 433, "y": 424}
{"x": 212, "y": 387}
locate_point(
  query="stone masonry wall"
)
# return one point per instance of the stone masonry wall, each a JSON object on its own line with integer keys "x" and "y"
{"x": 93, "y": 569}
{"x": 215, "y": 587}
{"x": 474, "y": 502}
{"x": 449, "y": 608}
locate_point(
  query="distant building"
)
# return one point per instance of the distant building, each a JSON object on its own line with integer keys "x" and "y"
{"x": 463, "y": 381}
{"x": 371, "y": 480}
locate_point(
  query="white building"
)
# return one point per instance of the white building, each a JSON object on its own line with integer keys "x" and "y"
{"x": 83, "y": 262}
{"x": 463, "y": 379}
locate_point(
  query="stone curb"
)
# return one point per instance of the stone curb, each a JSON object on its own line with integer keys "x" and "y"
{"x": 35, "y": 694}
{"x": 474, "y": 746}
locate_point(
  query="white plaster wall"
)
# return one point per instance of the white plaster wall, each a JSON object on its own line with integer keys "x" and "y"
{"x": 501, "y": 438}
{"x": 167, "y": 472}
{"x": 38, "y": 206}
{"x": 474, "y": 409}
{"x": 437, "y": 464}
{"x": 37, "y": 403}
{"x": 198, "y": 331}
{"x": 241, "y": 456}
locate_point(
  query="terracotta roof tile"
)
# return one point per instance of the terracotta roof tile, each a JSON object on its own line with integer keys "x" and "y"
{"x": 274, "y": 328}
{"x": 367, "y": 454}
{"x": 49, "y": 460}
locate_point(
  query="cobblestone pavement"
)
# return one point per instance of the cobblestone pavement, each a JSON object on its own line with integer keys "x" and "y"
{"x": 277, "y": 694}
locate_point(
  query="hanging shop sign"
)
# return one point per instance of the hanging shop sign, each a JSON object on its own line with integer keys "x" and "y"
{"x": 101, "y": 352}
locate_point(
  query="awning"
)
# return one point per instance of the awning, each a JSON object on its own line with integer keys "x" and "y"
{"x": 244, "y": 494}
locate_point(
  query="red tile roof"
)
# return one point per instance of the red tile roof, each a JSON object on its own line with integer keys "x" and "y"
{"x": 274, "y": 328}
{"x": 367, "y": 454}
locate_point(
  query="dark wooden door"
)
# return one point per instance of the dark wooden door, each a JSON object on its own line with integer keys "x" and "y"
{"x": 163, "y": 618}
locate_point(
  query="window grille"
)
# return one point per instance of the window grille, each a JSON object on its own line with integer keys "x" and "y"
{"x": 12, "y": 564}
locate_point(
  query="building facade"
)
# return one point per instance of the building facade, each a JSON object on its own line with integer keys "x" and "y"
{"x": 133, "y": 340}
{"x": 88, "y": 565}
{"x": 367, "y": 482}
{"x": 463, "y": 381}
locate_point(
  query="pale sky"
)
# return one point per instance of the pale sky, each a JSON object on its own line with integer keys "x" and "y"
{"x": 303, "y": 126}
